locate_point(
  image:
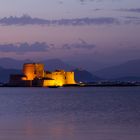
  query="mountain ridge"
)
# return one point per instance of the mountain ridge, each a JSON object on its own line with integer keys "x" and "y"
{"x": 11, "y": 66}
{"x": 130, "y": 68}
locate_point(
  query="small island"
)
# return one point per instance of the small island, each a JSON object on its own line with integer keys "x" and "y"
{"x": 34, "y": 75}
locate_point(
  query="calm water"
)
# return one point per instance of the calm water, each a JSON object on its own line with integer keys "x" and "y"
{"x": 70, "y": 113}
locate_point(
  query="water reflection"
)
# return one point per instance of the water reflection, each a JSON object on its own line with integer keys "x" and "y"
{"x": 70, "y": 114}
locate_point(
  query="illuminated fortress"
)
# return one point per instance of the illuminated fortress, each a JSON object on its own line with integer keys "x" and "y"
{"x": 35, "y": 75}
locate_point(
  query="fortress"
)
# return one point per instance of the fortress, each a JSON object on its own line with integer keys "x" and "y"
{"x": 35, "y": 75}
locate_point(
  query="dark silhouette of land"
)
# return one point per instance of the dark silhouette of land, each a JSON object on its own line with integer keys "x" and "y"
{"x": 129, "y": 71}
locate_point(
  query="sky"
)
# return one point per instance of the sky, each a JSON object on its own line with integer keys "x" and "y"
{"x": 105, "y": 32}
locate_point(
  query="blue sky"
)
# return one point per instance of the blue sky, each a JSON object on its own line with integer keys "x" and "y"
{"x": 110, "y": 33}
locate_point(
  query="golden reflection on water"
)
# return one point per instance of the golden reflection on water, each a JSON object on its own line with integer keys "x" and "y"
{"x": 55, "y": 130}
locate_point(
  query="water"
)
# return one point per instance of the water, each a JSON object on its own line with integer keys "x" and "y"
{"x": 70, "y": 113}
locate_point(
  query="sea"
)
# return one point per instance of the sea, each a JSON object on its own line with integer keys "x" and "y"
{"x": 70, "y": 113}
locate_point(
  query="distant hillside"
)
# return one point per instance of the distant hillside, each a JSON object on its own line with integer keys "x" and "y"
{"x": 50, "y": 64}
{"x": 11, "y": 66}
{"x": 94, "y": 65}
{"x": 84, "y": 76}
{"x": 80, "y": 75}
{"x": 5, "y": 73}
{"x": 10, "y": 63}
{"x": 125, "y": 70}
{"x": 53, "y": 64}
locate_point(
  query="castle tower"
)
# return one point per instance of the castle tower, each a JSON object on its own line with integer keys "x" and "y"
{"x": 33, "y": 70}
{"x": 70, "y": 78}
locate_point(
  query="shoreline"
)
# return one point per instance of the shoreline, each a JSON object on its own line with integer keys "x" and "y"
{"x": 83, "y": 85}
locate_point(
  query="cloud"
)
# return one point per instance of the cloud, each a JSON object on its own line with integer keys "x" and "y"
{"x": 23, "y": 20}
{"x": 27, "y": 20}
{"x": 97, "y": 9}
{"x": 80, "y": 45}
{"x": 132, "y": 20}
{"x": 24, "y": 47}
{"x": 83, "y": 1}
{"x": 132, "y": 17}
{"x": 136, "y": 10}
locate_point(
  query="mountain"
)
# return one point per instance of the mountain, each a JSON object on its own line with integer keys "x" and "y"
{"x": 53, "y": 64}
{"x": 128, "y": 70}
{"x": 88, "y": 64}
{"x": 9, "y": 63}
{"x": 11, "y": 66}
{"x": 50, "y": 64}
{"x": 84, "y": 76}
{"x": 125, "y": 71}
{"x": 5, "y": 73}
{"x": 80, "y": 75}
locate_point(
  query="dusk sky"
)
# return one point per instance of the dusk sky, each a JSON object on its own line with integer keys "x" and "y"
{"x": 105, "y": 31}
